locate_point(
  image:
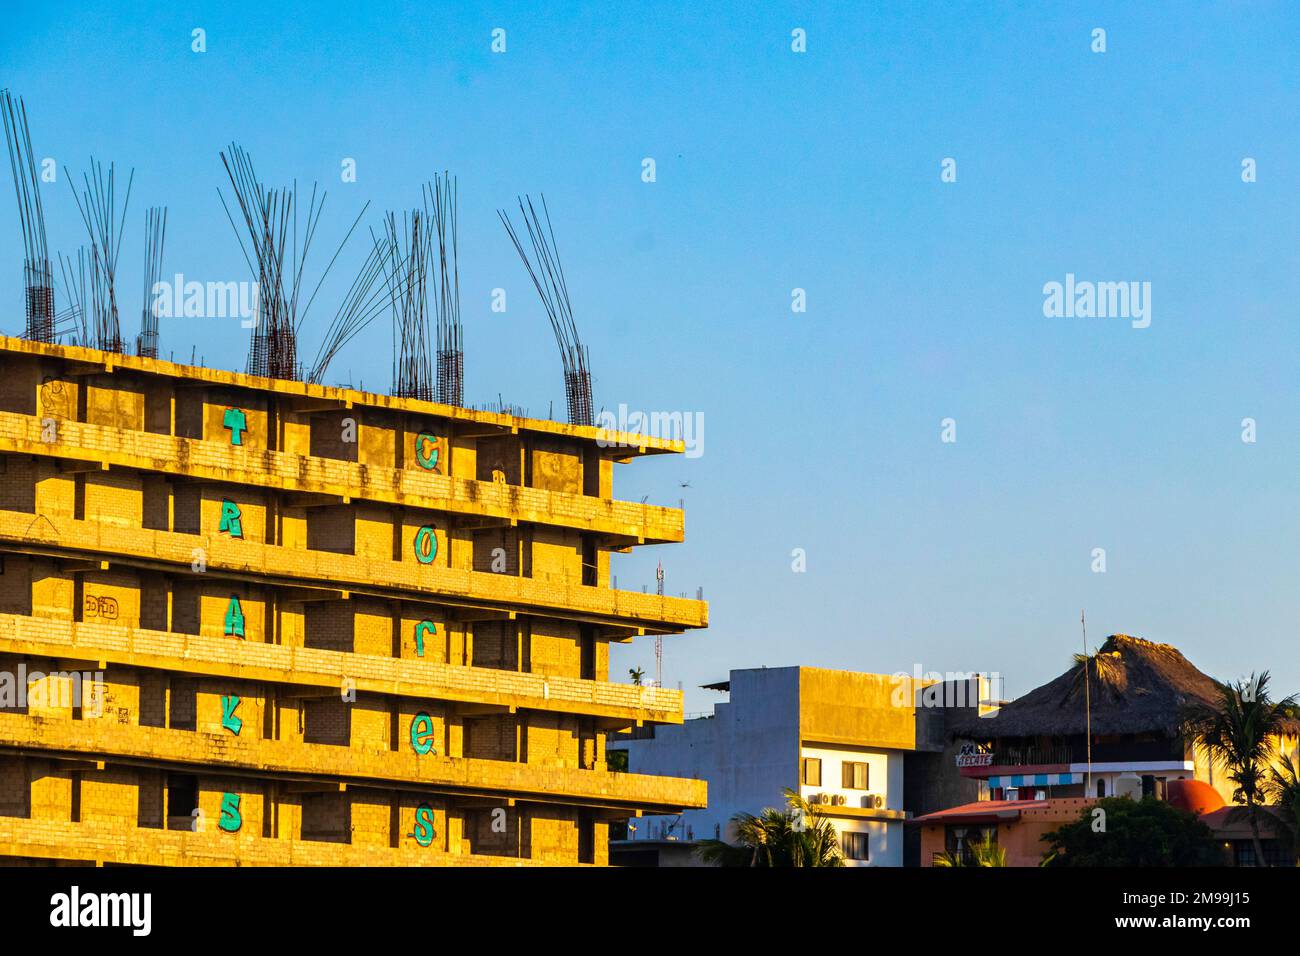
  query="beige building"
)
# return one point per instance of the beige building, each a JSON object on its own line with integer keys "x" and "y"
{"x": 267, "y": 622}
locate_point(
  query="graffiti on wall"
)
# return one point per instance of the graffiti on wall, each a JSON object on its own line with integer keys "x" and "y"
{"x": 101, "y": 607}
{"x": 235, "y": 420}
{"x": 426, "y": 544}
{"x": 422, "y": 734}
{"x": 229, "y": 720}
{"x": 423, "y": 629}
{"x": 424, "y": 832}
{"x": 231, "y": 519}
{"x": 230, "y": 820}
{"x": 428, "y": 452}
{"x": 55, "y": 399}
{"x": 234, "y": 617}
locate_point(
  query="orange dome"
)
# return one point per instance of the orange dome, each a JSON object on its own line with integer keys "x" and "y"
{"x": 1194, "y": 795}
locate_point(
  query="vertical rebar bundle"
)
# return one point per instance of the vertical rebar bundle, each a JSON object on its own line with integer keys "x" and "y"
{"x": 271, "y": 224}
{"x": 98, "y": 208}
{"x": 446, "y": 293}
{"x": 548, "y": 277}
{"x": 268, "y": 215}
{"x": 577, "y": 388}
{"x": 155, "y": 233}
{"x": 409, "y": 250}
{"x": 38, "y": 278}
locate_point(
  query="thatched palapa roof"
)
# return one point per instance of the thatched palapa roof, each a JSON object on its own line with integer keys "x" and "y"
{"x": 1136, "y": 686}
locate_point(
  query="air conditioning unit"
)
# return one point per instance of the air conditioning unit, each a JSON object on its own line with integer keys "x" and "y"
{"x": 840, "y": 799}
{"x": 873, "y": 801}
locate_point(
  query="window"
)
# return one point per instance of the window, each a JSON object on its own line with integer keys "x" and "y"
{"x": 855, "y": 775}
{"x": 811, "y": 771}
{"x": 1101, "y": 788}
{"x": 586, "y": 837}
{"x": 182, "y": 800}
{"x": 960, "y": 841}
{"x": 1243, "y": 852}
{"x": 854, "y": 845}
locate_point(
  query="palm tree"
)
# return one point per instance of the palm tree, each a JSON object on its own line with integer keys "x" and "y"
{"x": 983, "y": 853}
{"x": 1284, "y": 787}
{"x": 798, "y": 835}
{"x": 1239, "y": 732}
{"x": 637, "y": 675}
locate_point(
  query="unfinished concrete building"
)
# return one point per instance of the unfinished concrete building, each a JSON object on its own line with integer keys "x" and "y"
{"x": 247, "y": 621}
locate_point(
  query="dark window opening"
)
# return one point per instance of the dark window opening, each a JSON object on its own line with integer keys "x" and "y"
{"x": 182, "y": 800}
{"x": 586, "y": 837}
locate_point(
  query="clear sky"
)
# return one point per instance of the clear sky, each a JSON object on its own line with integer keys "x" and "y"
{"x": 778, "y": 170}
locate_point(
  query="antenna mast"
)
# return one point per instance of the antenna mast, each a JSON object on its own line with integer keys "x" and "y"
{"x": 659, "y": 638}
{"x": 1087, "y": 701}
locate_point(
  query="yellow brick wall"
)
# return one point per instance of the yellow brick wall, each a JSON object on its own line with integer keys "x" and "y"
{"x": 56, "y": 492}
{"x": 113, "y": 497}
{"x": 374, "y": 535}
{"x": 51, "y": 789}
{"x": 53, "y": 590}
{"x": 110, "y": 794}
{"x": 372, "y": 723}
{"x": 553, "y": 740}
{"x": 554, "y": 648}
{"x": 377, "y": 438}
{"x": 110, "y": 401}
{"x": 555, "y": 467}
{"x": 295, "y": 434}
{"x": 373, "y": 629}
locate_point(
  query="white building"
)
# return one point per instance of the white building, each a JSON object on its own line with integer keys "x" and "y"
{"x": 839, "y": 738}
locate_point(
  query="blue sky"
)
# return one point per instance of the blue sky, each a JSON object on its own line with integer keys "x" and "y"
{"x": 819, "y": 171}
